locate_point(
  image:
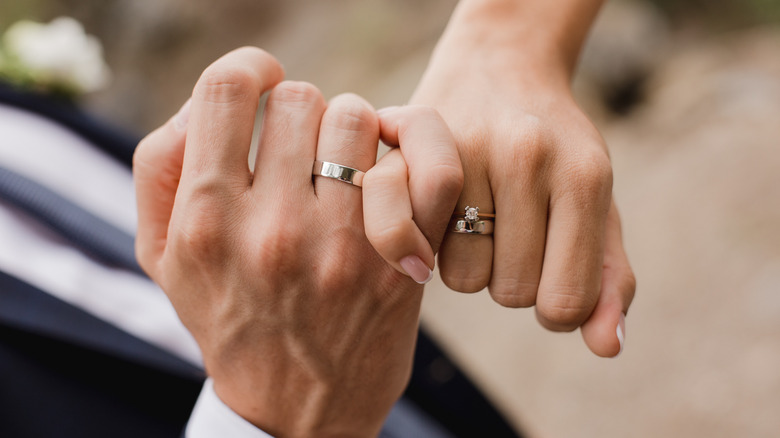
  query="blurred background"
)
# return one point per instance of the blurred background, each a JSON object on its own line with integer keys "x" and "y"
{"x": 686, "y": 93}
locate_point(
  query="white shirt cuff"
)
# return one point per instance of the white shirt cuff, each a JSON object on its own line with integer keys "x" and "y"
{"x": 212, "y": 418}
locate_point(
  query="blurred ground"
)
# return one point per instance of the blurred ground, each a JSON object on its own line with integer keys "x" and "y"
{"x": 690, "y": 110}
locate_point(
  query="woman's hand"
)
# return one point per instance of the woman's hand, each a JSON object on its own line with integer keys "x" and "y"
{"x": 304, "y": 328}
{"x": 500, "y": 78}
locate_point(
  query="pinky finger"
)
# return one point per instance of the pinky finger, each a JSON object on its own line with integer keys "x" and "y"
{"x": 157, "y": 165}
{"x": 389, "y": 223}
{"x": 605, "y": 331}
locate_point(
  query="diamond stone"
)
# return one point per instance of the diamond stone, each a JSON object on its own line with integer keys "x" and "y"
{"x": 472, "y": 214}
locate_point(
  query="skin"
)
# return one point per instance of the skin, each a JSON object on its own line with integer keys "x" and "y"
{"x": 500, "y": 77}
{"x": 304, "y": 312}
{"x": 304, "y": 328}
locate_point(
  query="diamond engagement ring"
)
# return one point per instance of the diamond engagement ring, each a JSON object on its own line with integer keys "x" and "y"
{"x": 338, "y": 172}
{"x": 471, "y": 222}
{"x": 472, "y": 214}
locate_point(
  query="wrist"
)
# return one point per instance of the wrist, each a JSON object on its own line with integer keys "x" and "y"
{"x": 544, "y": 36}
{"x": 303, "y": 392}
{"x": 464, "y": 65}
{"x": 300, "y": 415}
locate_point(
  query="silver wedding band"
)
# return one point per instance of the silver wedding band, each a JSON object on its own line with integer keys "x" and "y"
{"x": 338, "y": 172}
{"x": 464, "y": 226}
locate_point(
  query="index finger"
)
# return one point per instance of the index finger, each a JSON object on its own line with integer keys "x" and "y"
{"x": 224, "y": 104}
{"x": 435, "y": 172}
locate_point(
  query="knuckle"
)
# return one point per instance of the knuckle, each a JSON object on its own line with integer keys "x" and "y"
{"x": 296, "y": 94}
{"x": 387, "y": 173}
{"x": 592, "y": 173}
{"x": 158, "y": 156}
{"x": 202, "y": 228}
{"x": 221, "y": 83}
{"x": 564, "y": 309}
{"x": 259, "y": 54}
{"x": 349, "y": 112}
{"x": 447, "y": 180}
{"x": 532, "y": 148}
{"x": 386, "y": 237}
{"x": 464, "y": 280}
{"x": 375, "y": 184}
{"x": 279, "y": 251}
{"x": 513, "y": 293}
{"x": 200, "y": 238}
{"x": 533, "y": 158}
{"x": 335, "y": 277}
{"x": 513, "y": 300}
{"x": 209, "y": 188}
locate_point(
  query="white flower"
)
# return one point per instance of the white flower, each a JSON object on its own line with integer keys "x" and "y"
{"x": 59, "y": 54}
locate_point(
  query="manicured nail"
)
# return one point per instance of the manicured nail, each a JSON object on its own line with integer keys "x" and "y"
{"x": 387, "y": 110}
{"x": 621, "y": 332}
{"x": 183, "y": 116}
{"x": 417, "y": 269}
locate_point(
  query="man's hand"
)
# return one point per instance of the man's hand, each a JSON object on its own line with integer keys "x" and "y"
{"x": 304, "y": 328}
{"x": 500, "y": 78}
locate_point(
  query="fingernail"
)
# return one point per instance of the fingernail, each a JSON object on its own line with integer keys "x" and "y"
{"x": 621, "y": 332}
{"x": 182, "y": 117}
{"x": 387, "y": 110}
{"x": 417, "y": 269}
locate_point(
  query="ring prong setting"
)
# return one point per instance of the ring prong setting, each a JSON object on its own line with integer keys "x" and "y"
{"x": 472, "y": 214}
